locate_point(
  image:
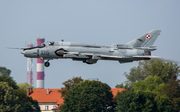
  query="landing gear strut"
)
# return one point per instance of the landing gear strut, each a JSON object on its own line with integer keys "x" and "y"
{"x": 46, "y": 64}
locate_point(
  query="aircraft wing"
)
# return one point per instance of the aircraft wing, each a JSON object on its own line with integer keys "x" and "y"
{"x": 102, "y": 56}
{"x": 87, "y": 54}
{"x": 146, "y": 57}
{"x": 127, "y": 58}
{"x": 75, "y": 53}
{"x": 109, "y": 56}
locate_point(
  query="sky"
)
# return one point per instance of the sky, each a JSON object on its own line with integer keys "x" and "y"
{"x": 99, "y": 22}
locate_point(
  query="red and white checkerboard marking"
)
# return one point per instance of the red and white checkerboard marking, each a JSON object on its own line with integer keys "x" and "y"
{"x": 148, "y": 36}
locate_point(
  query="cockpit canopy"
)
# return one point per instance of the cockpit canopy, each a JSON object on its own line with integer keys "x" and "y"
{"x": 46, "y": 44}
{"x": 42, "y": 45}
{"x": 51, "y": 43}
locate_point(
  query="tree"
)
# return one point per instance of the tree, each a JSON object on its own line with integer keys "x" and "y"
{"x": 164, "y": 104}
{"x": 4, "y": 71}
{"x": 142, "y": 101}
{"x": 123, "y": 100}
{"x": 172, "y": 90}
{"x": 8, "y": 100}
{"x": 126, "y": 86}
{"x": 151, "y": 83}
{"x": 164, "y": 70}
{"x": 138, "y": 73}
{"x": 145, "y": 96}
{"x": 25, "y": 86}
{"x": 27, "y": 104}
{"x": 72, "y": 82}
{"x": 89, "y": 96}
{"x": 153, "y": 67}
{"x": 69, "y": 84}
{"x": 5, "y": 77}
{"x": 153, "y": 90}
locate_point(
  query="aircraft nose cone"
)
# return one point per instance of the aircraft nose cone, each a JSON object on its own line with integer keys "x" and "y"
{"x": 23, "y": 52}
{"x": 31, "y": 53}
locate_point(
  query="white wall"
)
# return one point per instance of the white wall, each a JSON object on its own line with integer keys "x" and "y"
{"x": 50, "y": 106}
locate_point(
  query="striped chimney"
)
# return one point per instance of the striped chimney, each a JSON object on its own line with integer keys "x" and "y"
{"x": 40, "y": 67}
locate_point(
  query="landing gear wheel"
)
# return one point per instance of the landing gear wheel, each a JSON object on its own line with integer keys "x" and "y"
{"x": 47, "y": 64}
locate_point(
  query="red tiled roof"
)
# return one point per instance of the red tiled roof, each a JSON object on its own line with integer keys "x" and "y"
{"x": 54, "y": 96}
{"x": 41, "y": 96}
{"x": 116, "y": 90}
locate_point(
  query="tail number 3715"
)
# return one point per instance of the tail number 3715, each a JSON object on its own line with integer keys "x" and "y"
{"x": 44, "y": 52}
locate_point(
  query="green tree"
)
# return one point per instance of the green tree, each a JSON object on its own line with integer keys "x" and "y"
{"x": 4, "y": 71}
{"x": 26, "y": 103}
{"x": 145, "y": 96}
{"x": 25, "y": 86}
{"x": 8, "y": 100}
{"x": 142, "y": 101}
{"x": 153, "y": 67}
{"x": 123, "y": 100}
{"x": 153, "y": 90}
{"x": 164, "y": 104}
{"x": 5, "y": 77}
{"x": 155, "y": 85}
{"x": 151, "y": 83}
{"x": 69, "y": 84}
{"x": 89, "y": 96}
{"x": 72, "y": 82}
{"x": 139, "y": 72}
{"x": 135, "y": 74}
{"x": 164, "y": 70}
{"x": 172, "y": 90}
{"x": 126, "y": 86}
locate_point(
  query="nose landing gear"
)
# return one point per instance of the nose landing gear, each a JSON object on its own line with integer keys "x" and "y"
{"x": 46, "y": 64}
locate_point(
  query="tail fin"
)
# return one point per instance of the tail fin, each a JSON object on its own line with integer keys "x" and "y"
{"x": 145, "y": 40}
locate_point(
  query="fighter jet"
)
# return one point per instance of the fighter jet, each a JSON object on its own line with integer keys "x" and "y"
{"x": 135, "y": 50}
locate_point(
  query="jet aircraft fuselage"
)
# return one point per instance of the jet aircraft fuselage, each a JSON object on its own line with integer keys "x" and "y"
{"x": 138, "y": 49}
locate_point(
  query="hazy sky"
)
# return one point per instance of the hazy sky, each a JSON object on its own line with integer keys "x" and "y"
{"x": 99, "y": 22}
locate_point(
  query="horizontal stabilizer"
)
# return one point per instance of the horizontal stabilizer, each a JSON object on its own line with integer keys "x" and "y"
{"x": 153, "y": 48}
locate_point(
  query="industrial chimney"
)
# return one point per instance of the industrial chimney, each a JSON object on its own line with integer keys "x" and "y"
{"x": 40, "y": 67}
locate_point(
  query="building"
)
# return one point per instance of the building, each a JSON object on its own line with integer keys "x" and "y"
{"x": 50, "y": 99}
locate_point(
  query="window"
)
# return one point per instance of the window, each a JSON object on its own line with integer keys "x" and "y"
{"x": 54, "y": 106}
{"x": 46, "y": 107}
{"x": 51, "y": 43}
{"x": 42, "y": 45}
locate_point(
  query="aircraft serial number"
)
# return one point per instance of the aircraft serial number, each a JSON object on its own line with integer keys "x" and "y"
{"x": 43, "y": 52}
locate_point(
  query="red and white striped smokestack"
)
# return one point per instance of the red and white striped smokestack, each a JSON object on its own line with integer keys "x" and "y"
{"x": 40, "y": 67}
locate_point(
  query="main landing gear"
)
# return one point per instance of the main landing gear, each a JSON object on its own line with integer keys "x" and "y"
{"x": 47, "y": 64}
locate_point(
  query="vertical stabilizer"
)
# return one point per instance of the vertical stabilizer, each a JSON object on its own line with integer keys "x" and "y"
{"x": 145, "y": 40}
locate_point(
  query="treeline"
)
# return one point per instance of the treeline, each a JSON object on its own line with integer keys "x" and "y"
{"x": 13, "y": 98}
{"x": 151, "y": 87}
